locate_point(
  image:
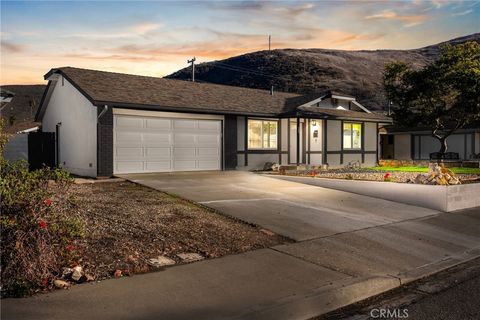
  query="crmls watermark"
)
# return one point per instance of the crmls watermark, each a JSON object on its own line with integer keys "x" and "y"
{"x": 381, "y": 313}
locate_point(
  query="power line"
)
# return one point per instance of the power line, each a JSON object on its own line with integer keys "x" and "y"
{"x": 225, "y": 66}
{"x": 245, "y": 70}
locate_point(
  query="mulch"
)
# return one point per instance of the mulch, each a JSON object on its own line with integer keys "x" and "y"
{"x": 127, "y": 224}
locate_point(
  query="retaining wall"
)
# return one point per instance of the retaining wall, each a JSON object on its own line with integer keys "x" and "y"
{"x": 443, "y": 198}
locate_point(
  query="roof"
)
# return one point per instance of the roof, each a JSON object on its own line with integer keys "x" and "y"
{"x": 306, "y": 98}
{"x": 342, "y": 114}
{"x": 111, "y": 88}
{"x": 151, "y": 93}
{"x": 6, "y": 94}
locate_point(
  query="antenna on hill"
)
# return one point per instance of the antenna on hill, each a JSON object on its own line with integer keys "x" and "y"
{"x": 192, "y": 61}
{"x": 269, "y": 42}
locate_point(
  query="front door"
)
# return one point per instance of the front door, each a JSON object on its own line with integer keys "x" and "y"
{"x": 293, "y": 141}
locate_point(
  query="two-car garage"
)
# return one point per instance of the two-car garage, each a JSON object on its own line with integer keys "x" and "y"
{"x": 166, "y": 142}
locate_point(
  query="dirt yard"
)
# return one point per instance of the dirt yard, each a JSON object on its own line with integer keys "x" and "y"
{"x": 127, "y": 224}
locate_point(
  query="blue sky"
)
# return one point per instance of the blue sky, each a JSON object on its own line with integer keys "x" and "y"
{"x": 157, "y": 37}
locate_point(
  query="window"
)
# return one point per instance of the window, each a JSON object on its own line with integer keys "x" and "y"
{"x": 262, "y": 134}
{"x": 352, "y": 135}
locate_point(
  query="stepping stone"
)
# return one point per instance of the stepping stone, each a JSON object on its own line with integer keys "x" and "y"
{"x": 190, "y": 257}
{"x": 160, "y": 261}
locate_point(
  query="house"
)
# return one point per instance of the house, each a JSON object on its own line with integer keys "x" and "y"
{"x": 110, "y": 123}
{"x": 418, "y": 144}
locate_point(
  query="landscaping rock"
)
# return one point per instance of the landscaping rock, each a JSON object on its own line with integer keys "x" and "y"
{"x": 67, "y": 273}
{"x": 117, "y": 273}
{"x": 77, "y": 273}
{"x": 160, "y": 261}
{"x": 275, "y": 167}
{"x": 61, "y": 284}
{"x": 437, "y": 175}
{"x": 190, "y": 257}
{"x": 267, "y": 232}
{"x": 268, "y": 166}
{"x": 89, "y": 278}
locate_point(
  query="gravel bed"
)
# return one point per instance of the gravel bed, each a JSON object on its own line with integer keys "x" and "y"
{"x": 127, "y": 224}
{"x": 372, "y": 175}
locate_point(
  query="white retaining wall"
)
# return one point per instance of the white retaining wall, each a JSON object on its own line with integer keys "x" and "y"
{"x": 443, "y": 198}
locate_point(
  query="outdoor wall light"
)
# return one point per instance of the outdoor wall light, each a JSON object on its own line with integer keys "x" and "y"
{"x": 314, "y": 123}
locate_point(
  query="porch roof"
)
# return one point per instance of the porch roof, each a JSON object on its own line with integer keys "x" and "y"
{"x": 324, "y": 113}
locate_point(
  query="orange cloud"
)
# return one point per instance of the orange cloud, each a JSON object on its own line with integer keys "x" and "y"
{"x": 408, "y": 20}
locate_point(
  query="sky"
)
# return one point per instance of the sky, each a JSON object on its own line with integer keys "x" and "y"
{"x": 156, "y": 38}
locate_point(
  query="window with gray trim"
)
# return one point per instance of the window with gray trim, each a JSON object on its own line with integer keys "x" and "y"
{"x": 262, "y": 134}
{"x": 352, "y": 136}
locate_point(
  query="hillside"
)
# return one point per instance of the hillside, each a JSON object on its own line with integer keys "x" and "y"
{"x": 357, "y": 73}
{"x": 20, "y": 112}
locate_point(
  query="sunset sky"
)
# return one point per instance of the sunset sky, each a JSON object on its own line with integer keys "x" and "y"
{"x": 157, "y": 37}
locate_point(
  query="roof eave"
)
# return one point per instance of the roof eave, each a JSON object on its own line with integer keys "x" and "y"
{"x": 353, "y": 118}
{"x": 123, "y": 105}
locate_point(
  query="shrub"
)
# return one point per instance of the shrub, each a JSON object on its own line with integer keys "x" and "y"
{"x": 36, "y": 228}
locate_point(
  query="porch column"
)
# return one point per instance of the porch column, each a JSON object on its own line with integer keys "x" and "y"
{"x": 298, "y": 141}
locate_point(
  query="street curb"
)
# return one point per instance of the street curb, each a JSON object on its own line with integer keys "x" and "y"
{"x": 343, "y": 293}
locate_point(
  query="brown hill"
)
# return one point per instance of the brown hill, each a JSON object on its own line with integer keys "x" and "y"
{"x": 19, "y": 114}
{"x": 357, "y": 73}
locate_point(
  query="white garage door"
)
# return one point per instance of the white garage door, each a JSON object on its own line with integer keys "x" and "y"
{"x": 150, "y": 144}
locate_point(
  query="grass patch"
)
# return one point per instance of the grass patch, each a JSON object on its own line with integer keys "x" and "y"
{"x": 457, "y": 170}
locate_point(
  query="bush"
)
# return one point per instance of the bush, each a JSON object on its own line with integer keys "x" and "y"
{"x": 36, "y": 228}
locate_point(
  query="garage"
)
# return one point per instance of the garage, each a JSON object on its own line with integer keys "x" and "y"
{"x": 166, "y": 144}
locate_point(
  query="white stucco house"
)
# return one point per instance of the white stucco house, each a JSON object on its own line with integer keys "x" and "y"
{"x": 110, "y": 123}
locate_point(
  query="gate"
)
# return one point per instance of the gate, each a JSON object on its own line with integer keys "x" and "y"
{"x": 41, "y": 150}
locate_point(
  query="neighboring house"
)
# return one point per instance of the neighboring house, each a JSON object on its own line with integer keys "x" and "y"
{"x": 5, "y": 97}
{"x": 111, "y": 123}
{"x": 417, "y": 144}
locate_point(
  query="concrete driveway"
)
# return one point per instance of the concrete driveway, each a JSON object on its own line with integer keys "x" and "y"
{"x": 298, "y": 211}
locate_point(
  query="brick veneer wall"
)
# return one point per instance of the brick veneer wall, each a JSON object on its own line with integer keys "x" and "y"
{"x": 105, "y": 143}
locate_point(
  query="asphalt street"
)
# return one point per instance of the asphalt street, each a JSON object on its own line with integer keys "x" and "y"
{"x": 449, "y": 295}
{"x": 461, "y": 302}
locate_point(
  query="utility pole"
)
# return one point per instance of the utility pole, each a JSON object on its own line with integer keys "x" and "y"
{"x": 193, "y": 68}
{"x": 269, "y": 42}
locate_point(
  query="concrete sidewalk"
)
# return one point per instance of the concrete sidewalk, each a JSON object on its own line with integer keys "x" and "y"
{"x": 295, "y": 281}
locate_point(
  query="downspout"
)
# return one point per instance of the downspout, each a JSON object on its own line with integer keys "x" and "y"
{"x": 298, "y": 141}
{"x": 105, "y": 108}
